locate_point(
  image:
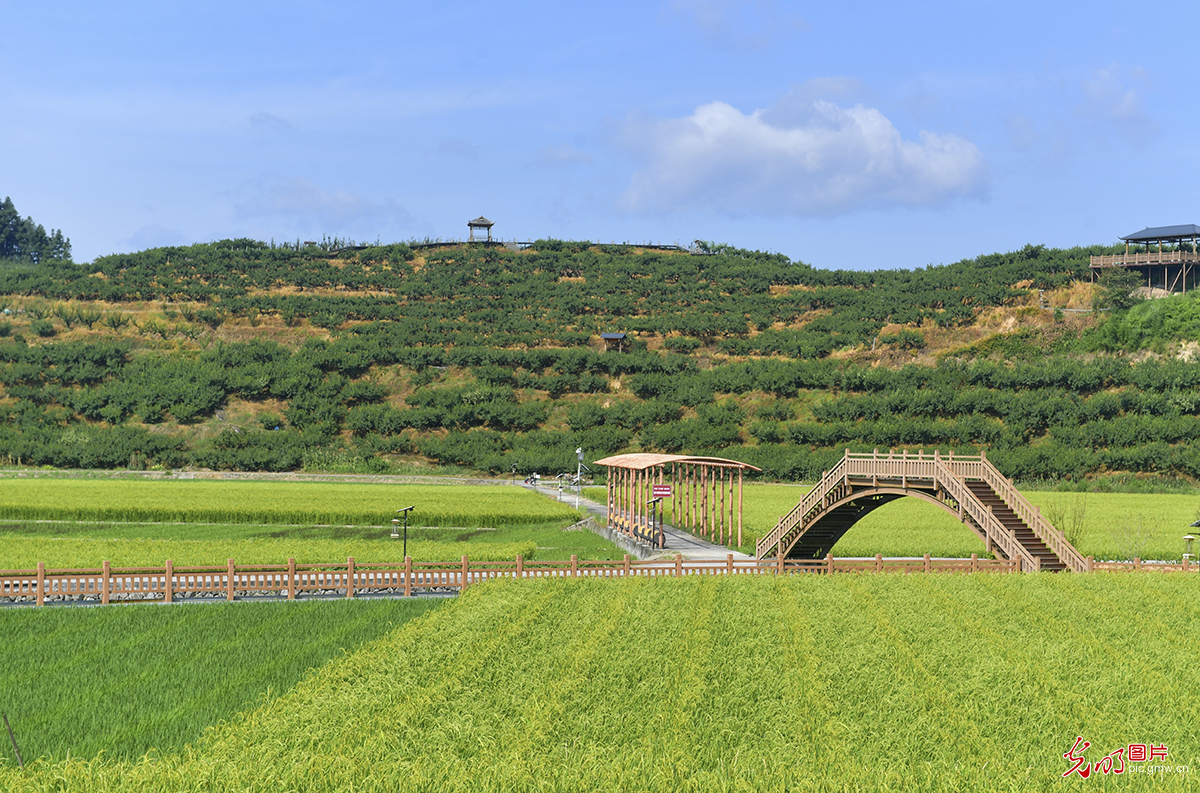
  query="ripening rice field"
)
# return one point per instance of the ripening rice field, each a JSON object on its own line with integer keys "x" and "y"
{"x": 206, "y": 501}
{"x": 894, "y": 683}
{"x": 82, "y": 523}
{"x": 125, "y": 681}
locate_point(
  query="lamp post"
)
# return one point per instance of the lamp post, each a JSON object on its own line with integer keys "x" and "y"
{"x": 405, "y": 511}
{"x": 1187, "y": 553}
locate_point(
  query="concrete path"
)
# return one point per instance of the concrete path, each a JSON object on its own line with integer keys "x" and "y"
{"x": 677, "y": 540}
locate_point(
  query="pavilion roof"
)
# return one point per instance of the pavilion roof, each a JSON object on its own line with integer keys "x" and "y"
{"x": 1164, "y": 233}
{"x": 481, "y": 221}
{"x": 640, "y": 461}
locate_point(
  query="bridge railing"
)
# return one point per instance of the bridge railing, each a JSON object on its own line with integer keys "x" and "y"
{"x": 811, "y": 500}
{"x": 995, "y": 532}
{"x": 1031, "y": 516}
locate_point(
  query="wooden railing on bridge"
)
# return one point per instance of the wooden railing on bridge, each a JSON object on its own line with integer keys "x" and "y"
{"x": 949, "y": 475}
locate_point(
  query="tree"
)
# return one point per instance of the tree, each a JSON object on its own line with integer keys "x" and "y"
{"x": 1117, "y": 287}
{"x": 24, "y": 239}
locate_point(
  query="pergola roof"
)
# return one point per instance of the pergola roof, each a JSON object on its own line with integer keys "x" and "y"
{"x": 640, "y": 461}
{"x": 612, "y": 336}
{"x": 481, "y": 221}
{"x": 1164, "y": 233}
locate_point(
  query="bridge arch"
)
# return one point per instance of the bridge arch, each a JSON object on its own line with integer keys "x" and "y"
{"x": 970, "y": 488}
{"x": 840, "y": 516}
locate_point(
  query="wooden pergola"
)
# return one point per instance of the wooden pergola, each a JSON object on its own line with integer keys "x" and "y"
{"x": 704, "y": 500}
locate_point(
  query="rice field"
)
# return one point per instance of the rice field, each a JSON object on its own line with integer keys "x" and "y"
{"x": 334, "y": 504}
{"x": 125, "y": 681}
{"x": 895, "y": 683}
{"x": 486, "y": 523}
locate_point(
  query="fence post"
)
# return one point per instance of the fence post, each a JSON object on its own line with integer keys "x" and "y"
{"x": 520, "y": 566}
{"x": 627, "y": 571}
{"x": 1090, "y": 560}
{"x": 291, "y": 578}
{"x": 927, "y": 563}
{"x": 779, "y": 562}
{"x": 1137, "y": 563}
{"x": 574, "y": 566}
{"x": 229, "y": 583}
{"x": 408, "y": 576}
{"x": 678, "y": 565}
{"x": 105, "y": 582}
{"x": 1037, "y": 564}
{"x": 466, "y": 570}
{"x": 829, "y": 563}
{"x": 167, "y": 588}
{"x": 879, "y": 563}
{"x": 349, "y": 576}
{"x": 729, "y": 564}
{"x": 40, "y": 596}
{"x": 974, "y": 563}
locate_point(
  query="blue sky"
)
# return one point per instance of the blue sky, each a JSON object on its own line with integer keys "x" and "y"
{"x": 852, "y": 134}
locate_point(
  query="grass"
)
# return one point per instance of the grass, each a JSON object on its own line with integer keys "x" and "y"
{"x": 809, "y": 683}
{"x": 1113, "y": 525}
{"x": 482, "y": 522}
{"x": 128, "y": 680}
{"x": 272, "y": 502}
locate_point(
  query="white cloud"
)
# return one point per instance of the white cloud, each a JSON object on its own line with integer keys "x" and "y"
{"x": 301, "y": 203}
{"x": 1115, "y": 97}
{"x": 814, "y": 159}
{"x": 737, "y": 24}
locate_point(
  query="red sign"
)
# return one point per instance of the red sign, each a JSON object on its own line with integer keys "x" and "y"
{"x": 662, "y": 491}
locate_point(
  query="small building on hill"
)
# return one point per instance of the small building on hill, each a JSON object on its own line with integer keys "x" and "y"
{"x": 1166, "y": 259}
{"x": 481, "y": 224}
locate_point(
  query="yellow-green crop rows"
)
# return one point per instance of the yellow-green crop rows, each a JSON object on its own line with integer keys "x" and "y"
{"x": 206, "y": 501}
{"x": 126, "y": 680}
{"x": 810, "y": 683}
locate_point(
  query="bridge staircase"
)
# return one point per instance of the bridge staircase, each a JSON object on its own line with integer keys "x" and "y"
{"x": 969, "y": 487}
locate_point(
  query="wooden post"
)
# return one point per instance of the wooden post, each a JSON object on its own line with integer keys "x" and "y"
{"x": 1090, "y": 562}
{"x": 574, "y": 566}
{"x": 466, "y": 570}
{"x": 167, "y": 583}
{"x": 678, "y": 565}
{"x": 974, "y": 563}
{"x": 626, "y": 567}
{"x": 829, "y": 563}
{"x": 1137, "y": 565}
{"x": 40, "y": 594}
{"x": 408, "y": 576}
{"x": 739, "y": 506}
{"x": 520, "y": 566}
{"x": 879, "y": 563}
{"x": 729, "y": 564}
{"x": 291, "y": 578}
{"x": 927, "y": 563}
{"x": 779, "y": 561}
{"x": 229, "y": 583}
{"x": 349, "y": 576}
{"x": 105, "y": 582}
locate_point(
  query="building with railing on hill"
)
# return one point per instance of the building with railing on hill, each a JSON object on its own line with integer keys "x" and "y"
{"x": 1167, "y": 259}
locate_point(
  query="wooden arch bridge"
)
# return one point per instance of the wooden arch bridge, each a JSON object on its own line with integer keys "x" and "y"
{"x": 968, "y": 487}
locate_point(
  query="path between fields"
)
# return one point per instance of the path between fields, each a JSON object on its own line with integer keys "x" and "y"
{"x": 677, "y": 540}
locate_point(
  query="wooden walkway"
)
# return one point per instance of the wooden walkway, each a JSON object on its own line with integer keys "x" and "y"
{"x": 968, "y": 487}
